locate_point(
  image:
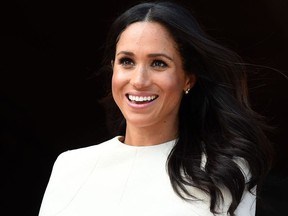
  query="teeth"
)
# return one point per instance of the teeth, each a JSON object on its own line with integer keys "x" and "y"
{"x": 141, "y": 98}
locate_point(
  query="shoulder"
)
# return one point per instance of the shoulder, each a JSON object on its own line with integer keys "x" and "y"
{"x": 85, "y": 153}
{"x": 70, "y": 170}
{"x": 239, "y": 161}
{"x": 244, "y": 167}
{"x": 81, "y": 160}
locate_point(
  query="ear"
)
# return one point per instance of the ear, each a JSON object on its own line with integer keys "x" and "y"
{"x": 190, "y": 81}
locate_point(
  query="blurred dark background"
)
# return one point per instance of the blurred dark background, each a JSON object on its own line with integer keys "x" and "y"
{"x": 49, "y": 103}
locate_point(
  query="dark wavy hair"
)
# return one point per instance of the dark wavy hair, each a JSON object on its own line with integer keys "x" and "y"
{"x": 215, "y": 118}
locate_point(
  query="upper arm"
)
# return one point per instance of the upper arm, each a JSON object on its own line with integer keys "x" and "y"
{"x": 247, "y": 206}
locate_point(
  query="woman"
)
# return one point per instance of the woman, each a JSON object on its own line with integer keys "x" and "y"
{"x": 191, "y": 144}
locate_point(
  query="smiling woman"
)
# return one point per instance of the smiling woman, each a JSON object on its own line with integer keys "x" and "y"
{"x": 148, "y": 83}
{"x": 191, "y": 145}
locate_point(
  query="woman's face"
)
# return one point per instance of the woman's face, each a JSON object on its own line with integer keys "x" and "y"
{"x": 148, "y": 79}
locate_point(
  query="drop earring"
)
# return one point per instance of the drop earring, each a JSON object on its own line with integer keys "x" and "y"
{"x": 187, "y": 91}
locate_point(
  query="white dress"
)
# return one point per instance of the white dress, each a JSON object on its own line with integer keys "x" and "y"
{"x": 115, "y": 179}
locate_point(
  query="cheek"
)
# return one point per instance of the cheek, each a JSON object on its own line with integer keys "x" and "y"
{"x": 114, "y": 81}
{"x": 115, "y": 84}
{"x": 172, "y": 83}
{"x": 117, "y": 79}
{"x": 118, "y": 83}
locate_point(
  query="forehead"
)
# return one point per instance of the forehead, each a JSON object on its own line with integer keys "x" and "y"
{"x": 148, "y": 33}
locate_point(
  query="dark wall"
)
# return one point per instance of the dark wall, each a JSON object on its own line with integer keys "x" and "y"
{"x": 49, "y": 103}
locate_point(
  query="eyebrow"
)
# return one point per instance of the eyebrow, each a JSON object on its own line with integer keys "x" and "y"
{"x": 149, "y": 55}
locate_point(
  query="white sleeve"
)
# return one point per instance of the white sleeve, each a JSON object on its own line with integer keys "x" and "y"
{"x": 51, "y": 196}
{"x": 247, "y": 206}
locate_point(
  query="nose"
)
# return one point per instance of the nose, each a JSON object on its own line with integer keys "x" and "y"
{"x": 140, "y": 77}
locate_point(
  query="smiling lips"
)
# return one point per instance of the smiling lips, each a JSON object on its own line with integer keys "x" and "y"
{"x": 141, "y": 99}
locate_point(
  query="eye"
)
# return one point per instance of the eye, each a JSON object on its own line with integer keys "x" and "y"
{"x": 159, "y": 64}
{"x": 126, "y": 62}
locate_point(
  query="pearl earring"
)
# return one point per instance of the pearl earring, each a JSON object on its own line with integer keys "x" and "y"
{"x": 187, "y": 91}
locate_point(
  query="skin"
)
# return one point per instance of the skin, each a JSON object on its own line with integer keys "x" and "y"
{"x": 147, "y": 64}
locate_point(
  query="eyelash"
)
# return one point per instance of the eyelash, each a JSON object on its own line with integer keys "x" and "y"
{"x": 128, "y": 62}
{"x": 125, "y": 61}
{"x": 162, "y": 63}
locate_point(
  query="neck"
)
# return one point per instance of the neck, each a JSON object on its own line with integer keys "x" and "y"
{"x": 145, "y": 136}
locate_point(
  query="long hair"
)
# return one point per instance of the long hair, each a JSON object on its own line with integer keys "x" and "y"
{"x": 215, "y": 118}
